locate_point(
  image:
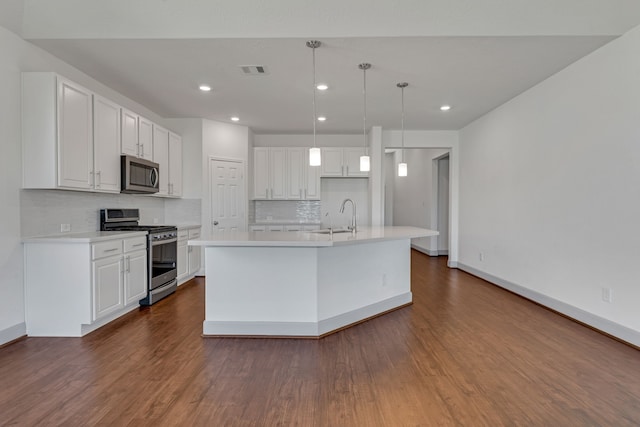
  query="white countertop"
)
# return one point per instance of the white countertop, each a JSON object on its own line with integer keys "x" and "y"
{"x": 84, "y": 237}
{"x": 308, "y": 238}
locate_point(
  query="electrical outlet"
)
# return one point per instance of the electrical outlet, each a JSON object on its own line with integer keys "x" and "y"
{"x": 65, "y": 228}
{"x": 480, "y": 256}
{"x": 607, "y": 295}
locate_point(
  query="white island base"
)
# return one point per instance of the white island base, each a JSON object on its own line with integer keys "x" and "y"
{"x": 270, "y": 286}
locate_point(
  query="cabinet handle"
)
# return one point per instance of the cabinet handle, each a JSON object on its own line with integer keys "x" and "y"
{"x": 137, "y": 245}
{"x": 141, "y": 150}
{"x": 110, "y": 250}
{"x": 138, "y": 150}
{"x": 90, "y": 180}
{"x": 98, "y": 179}
{"x": 128, "y": 264}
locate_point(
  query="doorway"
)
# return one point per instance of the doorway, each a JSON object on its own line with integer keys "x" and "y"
{"x": 421, "y": 199}
{"x": 227, "y": 195}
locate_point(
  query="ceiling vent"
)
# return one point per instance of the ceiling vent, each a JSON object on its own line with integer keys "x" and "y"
{"x": 254, "y": 70}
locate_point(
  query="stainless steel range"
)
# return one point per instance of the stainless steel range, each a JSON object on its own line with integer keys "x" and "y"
{"x": 162, "y": 250}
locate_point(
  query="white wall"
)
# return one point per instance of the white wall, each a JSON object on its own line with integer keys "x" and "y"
{"x": 222, "y": 141}
{"x": 550, "y": 190}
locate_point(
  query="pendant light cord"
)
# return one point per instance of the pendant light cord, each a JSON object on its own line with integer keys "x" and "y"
{"x": 314, "y": 96}
{"x": 402, "y": 120}
{"x": 364, "y": 124}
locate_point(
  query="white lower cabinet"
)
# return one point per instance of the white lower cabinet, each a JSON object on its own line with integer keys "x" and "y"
{"x": 188, "y": 262}
{"x": 108, "y": 295}
{"x": 76, "y": 283}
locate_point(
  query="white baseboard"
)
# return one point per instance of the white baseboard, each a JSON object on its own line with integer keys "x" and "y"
{"x": 615, "y": 329}
{"x": 303, "y": 329}
{"x": 13, "y": 332}
{"x": 430, "y": 252}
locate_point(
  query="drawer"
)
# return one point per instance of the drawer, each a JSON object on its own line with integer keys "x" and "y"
{"x": 183, "y": 234}
{"x": 105, "y": 249}
{"x": 135, "y": 243}
{"x": 194, "y": 233}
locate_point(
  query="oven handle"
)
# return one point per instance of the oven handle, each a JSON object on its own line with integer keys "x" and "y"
{"x": 154, "y": 177}
{"x": 162, "y": 242}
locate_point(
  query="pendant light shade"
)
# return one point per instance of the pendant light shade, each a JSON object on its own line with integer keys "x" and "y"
{"x": 365, "y": 161}
{"x": 402, "y": 166}
{"x": 402, "y": 169}
{"x": 315, "y": 157}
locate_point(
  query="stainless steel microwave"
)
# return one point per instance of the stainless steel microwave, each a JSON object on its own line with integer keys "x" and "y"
{"x": 139, "y": 176}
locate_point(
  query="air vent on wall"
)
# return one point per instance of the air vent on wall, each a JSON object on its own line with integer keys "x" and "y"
{"x": 254, "y": 70}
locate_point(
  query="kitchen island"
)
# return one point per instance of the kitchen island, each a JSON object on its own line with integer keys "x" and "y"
{"x": 304, "y": 284}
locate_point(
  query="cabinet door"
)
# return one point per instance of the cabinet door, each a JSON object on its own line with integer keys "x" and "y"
{"x": 312, "y": 179}
{"x": 175, "y": 165}
{"x": 194, "y": 252}
{"x": 331, "y": 162}
{"x": 260, "y": 173}
{"x": 278, "y": 173}
{"x": 296, "y": 173}
{"x": 194, "y": 259}
{"x": 75, "y": 136}
{"x": 106, "y": 145}
{"x": 135, "y": 278}
{"x": 107, "y": 286}
{"x": 129, "y": 136}
{"x": 351, "y": 159}
{"x": 161, "y": 157}
{"x": 182, "y": 262}
{"x": 145, "y": 138}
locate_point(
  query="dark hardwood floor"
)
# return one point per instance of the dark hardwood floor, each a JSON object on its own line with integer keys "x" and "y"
{"x": 465, "y": 353}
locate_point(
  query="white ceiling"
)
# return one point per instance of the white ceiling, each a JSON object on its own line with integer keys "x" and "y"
{"x": 458, "y": 60}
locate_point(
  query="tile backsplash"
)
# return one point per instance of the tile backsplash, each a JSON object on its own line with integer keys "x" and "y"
{"x": 43, "y": 211}
{"x": 297, "y": 211}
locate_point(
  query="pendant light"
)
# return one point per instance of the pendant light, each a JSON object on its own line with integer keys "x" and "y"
{"x": 365, "y": 161}
{"x": 402, "y": 166}
{"x": 314, "y": 152}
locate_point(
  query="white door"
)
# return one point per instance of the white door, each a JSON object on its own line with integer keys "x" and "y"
{"x": 226, "y": 184}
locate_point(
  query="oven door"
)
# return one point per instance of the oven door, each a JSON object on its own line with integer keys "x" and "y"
{"x": 162, "y": 262}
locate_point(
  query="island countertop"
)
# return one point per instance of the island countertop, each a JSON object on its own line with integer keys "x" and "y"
{"x": 308, "y": 238}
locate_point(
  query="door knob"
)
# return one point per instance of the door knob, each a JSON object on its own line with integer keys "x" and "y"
{"x": 215, "y": 222}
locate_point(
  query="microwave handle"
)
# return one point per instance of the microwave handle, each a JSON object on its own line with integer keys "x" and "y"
{"x": 154, "y": 177}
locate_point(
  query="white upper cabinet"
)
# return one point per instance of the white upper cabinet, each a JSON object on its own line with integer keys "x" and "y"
{"x": 75, "y": 148}
{"x": 284, "y": 174}
{"x": 145, "y": 138}
{"x": 73, "y": 139}
{"x": 161, "y": 157}
{"x": 130, "y": 145}
{"x": 342, "y": 162}
{"x": 175, "y": 165}
{"x": 106, "y": 145}
{"x": 137, "y": 135}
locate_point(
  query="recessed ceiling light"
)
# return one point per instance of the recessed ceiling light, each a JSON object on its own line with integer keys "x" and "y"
{"x": 322, "y": 86}
{"x": 205, "y": 88}
{"x": 235, "y": 119}
{"x": 322, "y": 119}
{"x": 445, "y": 108}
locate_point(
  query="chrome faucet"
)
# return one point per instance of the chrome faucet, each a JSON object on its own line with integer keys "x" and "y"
{"x": 353, "y": 227}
